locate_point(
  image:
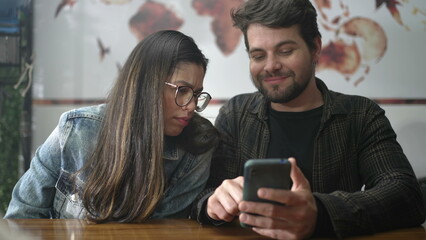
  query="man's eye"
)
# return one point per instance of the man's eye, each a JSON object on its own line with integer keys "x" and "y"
{"x": 286, "y": 52}
{"x": 257, "y": 57}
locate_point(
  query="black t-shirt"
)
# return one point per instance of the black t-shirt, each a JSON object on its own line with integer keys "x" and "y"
{"x": 292, "y": 135}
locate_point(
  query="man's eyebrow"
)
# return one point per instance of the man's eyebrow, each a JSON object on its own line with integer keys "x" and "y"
{"x": 255, "y": 50}
{"x": 285, "y": 42}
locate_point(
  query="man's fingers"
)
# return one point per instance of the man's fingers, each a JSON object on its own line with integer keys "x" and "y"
{"x": 234, "y": 188}
{"x": 217, "y": 211}
{"x": 299, "y": 180}
{"x": 223, "y": 204}
{"x": 264, "y": 222}
{"x": 285, "y": 197}
{"x": 269, "y": 210}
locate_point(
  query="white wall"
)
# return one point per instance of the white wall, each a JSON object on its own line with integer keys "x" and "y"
{"x": 411, "y": 131}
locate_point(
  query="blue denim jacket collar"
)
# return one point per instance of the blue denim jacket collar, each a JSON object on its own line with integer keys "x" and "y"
{"x": 171, "y": 151}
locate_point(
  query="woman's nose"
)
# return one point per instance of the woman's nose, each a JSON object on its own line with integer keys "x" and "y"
{"x": 191, "y": 105}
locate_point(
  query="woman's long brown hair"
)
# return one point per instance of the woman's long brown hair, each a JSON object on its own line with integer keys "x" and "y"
{"x": 125, "y": 177}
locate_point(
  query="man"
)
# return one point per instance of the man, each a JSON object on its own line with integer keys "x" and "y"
{"x": 351, "y": 175}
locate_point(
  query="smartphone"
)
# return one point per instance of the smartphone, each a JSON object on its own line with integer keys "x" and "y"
{"x": 269, "y": 173}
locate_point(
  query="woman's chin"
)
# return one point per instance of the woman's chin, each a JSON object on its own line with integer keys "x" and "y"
{"x": 173, "y": 132}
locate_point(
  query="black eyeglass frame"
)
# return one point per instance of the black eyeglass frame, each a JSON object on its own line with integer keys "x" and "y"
{"x": 194, "y": 94}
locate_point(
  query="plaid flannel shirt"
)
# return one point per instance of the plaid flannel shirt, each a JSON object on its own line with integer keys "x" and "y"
{"x": 362, "y": 180}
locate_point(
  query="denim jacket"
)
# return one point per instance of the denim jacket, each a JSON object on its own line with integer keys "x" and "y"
{"x": 45, "y": 190}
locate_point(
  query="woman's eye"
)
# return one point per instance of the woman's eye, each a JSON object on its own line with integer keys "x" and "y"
{"x": 184, "y": 90}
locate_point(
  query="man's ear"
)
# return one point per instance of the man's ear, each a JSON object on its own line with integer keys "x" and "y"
{"x": 316, "y": 52}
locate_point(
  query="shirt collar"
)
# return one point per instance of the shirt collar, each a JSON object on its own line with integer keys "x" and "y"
{"x": 332, "y": 106}
{"x": 171, "y": 150}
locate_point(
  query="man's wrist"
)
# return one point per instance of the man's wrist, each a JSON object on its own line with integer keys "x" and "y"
{"x": 323, "y": 227}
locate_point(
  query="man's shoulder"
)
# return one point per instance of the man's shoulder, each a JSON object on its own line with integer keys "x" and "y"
{"x": 338, "y": 100}
{"x": 246, "y": 100}
{"x": 349, "y": 97}
{"x": 351, "y": 102}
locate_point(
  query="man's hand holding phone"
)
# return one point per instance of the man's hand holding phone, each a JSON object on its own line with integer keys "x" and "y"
{"x": 293, "y": 218}
{"x": 265, "y": 173}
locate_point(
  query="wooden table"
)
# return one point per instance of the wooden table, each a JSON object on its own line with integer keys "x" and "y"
{"x": 73, "y": 229}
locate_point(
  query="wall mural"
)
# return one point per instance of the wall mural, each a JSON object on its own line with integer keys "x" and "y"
{"x": 348, "y": 58}
{"x": 358, "y": 43}
{"x": 153, "y": 16}
{"x": 369, "y": 47}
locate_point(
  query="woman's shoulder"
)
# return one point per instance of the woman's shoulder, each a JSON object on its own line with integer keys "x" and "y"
{"x": 95, "y": 112}
{"x": 84, "y": 121}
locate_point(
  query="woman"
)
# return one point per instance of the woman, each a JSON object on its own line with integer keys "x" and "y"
{"x": 144, "y": 154}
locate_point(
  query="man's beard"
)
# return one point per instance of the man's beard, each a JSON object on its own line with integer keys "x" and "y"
{"x": 281, "y": 96}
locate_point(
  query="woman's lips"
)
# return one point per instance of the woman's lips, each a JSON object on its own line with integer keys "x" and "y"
{"x": 183, "y": 120}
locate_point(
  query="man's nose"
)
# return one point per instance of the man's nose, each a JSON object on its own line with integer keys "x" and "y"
{"x": 272, "y": 64}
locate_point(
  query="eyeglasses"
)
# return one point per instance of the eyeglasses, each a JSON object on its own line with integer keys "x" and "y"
{"x": 184, "y": 95}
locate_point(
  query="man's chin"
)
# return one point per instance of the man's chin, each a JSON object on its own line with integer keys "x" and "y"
{"x": 272, "y": 95}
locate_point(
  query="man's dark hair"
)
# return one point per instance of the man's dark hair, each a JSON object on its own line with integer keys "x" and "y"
{"x": 278, "y": 14}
